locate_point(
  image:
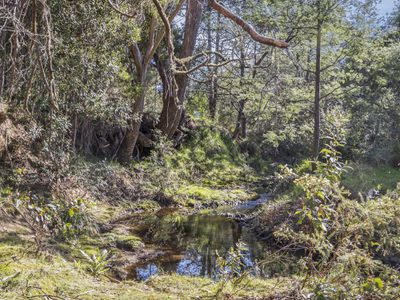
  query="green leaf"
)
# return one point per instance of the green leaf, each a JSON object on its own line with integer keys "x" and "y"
{"x": 326, "y": 151}
{"x": 379, "y": 282}
{"x": 71, "y": 212}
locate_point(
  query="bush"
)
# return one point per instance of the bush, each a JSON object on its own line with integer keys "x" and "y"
{"x": 47, "y": 217}
{"x": 349, "y": 246}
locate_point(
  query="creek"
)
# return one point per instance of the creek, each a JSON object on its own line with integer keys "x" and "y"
{"x": 191, "y": 244}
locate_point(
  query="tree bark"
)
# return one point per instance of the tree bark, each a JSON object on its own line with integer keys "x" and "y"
{"x": 240, "y": 128}
{"x": 213, "y": 71}
{"x": 132, "y": 133}
{"x": 141, "y": 60}
{"x": 317, "y": 97}
{"x": 172, "y": 107}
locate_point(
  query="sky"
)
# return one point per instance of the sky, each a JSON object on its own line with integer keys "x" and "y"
{"x": 386, "y": 6}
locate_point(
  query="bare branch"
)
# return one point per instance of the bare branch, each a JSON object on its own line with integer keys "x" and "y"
{"x": 205, "y": 64}
{"x": 246, "y": 26}
{"x": 188, "y": 59}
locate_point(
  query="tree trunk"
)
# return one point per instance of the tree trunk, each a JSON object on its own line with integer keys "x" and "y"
{"x": 172, "y": 108}
{"x": 213, "y": 71}
{"x": 132, "y": 133}
{"x": 317, "y": 109}
{"x": 240, "y": 129}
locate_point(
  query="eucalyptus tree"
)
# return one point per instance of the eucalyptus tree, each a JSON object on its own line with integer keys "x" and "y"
{"x": 176, "y": 80}
{"x": 141, "y": 53}
{"x": 374, "y": 105}
{"x": 173, "y": 107}
{"x": 325, "y": 34}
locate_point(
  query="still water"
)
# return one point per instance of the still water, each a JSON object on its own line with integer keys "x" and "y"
{"x": 192, "y": 244}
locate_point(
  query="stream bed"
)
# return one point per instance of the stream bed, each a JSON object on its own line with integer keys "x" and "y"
{"x": 191, "y": 244}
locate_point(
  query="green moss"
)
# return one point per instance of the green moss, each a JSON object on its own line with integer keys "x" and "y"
{"x": 200, "y": 193}
{"x": 125, "y": 242}
{"x": 129, "y": 242}
{"x": 211, "y": 158}
{"x": 192, "y": 194}
{"x": 36, "y": 276}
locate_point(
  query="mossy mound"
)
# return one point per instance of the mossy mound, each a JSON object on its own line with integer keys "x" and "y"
{"x": 124, "y": 242}
{"x": 211, "y": 157}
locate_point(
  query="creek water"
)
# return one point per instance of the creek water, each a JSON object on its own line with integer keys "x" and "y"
{"x": 192, "y": 244}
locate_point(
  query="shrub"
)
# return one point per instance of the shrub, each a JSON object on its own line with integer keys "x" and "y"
{"x": 47, "y": 217}
{"x": 344, "y": 241}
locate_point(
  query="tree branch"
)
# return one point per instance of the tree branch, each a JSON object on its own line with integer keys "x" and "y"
{"x": 246, "y": 26}
{"x": 114, "y": 7}
{"x": 136, "y": 57}
{"x": 151, "y": 45}
{"x": 160, "y": 36}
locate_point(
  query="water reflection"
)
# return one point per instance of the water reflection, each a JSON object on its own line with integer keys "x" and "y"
{"x": 145, "y": 272}
{"x": 191, "y": 244}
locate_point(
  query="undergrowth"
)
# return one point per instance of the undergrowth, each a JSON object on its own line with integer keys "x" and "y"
{"x": 208, "y": 168}
{"x": 369, "y": 180}
{"x": 347, "y": 248}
